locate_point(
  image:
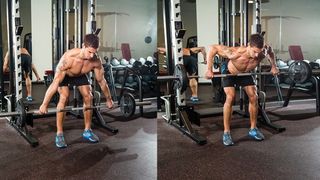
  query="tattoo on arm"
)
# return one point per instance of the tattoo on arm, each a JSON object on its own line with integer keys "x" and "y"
{"x": 227, "y": 52}
{"x": 62, "y": 66}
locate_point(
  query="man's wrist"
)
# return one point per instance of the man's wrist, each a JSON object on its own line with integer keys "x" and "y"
{"x": 108, "y": 98}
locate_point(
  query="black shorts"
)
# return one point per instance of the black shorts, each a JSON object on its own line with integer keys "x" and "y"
{"x": 75, "y": 81}
{"x": 232, "y": 81}
{"x": 191, "y": 64}
{"x": 26, "y": 63}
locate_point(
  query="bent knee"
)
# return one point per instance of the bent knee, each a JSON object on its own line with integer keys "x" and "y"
{"x": 87, "y": 98}
{"x": 253, "y": 98}
{"x": 63, "y": 99}
{"x": 229, "y": 98}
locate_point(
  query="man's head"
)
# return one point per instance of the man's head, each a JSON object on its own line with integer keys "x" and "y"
{"x": 91, "y": 40}
{"x": 256, "y": 43}
{"x": 256, "y": 40}
{"x": 90, "y": 45}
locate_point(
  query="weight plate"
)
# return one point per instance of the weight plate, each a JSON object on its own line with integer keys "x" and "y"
{"x": 182, "y": 82}
{"x": 22, "y": 118}
{"x": 127, "y": 105}
{"x": 300, "y": 72}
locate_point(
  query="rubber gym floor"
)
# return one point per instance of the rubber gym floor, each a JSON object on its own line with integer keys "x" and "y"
{"x": 292, "y": 154}
{"x": 129, "y": 154}
{"x": 146, "y": 148}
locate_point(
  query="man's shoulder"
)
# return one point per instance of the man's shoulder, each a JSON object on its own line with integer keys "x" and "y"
{"x": 96, "y": 61}
{"x": 241, "y": 49}
{"x": 71, "y": 54}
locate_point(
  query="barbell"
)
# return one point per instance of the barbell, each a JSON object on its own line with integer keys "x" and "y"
{"x": 298, "y": 72}
{"x": 127, "y": 107}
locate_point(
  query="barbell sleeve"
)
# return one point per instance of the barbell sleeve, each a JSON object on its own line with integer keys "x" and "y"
{"x": 167, "y": 77}
{"x": 142, "y": 103}
{"x": 9, "y": 114}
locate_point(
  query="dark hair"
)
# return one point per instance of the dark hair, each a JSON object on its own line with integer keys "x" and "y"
{"x": 256, "y": 40}
{"x": 91, "y": 40}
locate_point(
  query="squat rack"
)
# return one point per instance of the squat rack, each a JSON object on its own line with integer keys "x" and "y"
{"x": 178, "y": 113}
{"x": 14, "y": 98}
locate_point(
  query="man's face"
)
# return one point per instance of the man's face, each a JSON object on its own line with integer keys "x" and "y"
{"x": 89, "y": 52}
{"x": 254, "y": 51}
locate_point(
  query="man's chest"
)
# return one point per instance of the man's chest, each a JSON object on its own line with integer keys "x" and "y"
{"x": 81, "y": 66}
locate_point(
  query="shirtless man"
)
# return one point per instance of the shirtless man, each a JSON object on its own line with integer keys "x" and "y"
{"x": 72, "y": 70}
{"x": 190, "y": 62}
{"x": 27, "y": 67}
{"x": 241, "y": 60}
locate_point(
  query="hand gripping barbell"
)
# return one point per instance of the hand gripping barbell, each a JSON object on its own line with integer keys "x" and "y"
{"x": 299, "y": 72}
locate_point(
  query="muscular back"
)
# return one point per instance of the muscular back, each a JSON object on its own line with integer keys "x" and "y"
{"x": 73, "y": 63}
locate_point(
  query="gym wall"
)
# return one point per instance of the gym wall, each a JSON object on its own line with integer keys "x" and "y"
{"x": 292, "y": 22}
{"x": 41, "y": 35}
{"x": 127, "y": 21}
{"x": 208, "y": 29}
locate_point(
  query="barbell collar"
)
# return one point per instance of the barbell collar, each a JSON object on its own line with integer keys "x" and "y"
{"x": 143, "y": 103}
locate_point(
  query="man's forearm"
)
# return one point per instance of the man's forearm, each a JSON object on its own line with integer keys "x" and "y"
{"x": 204, "y": 54}
{"x": 272, "y": 60}
{"x": 209, "y": 62}
{"x": 52, "y": 89}
{"x": 106, "y": 91}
